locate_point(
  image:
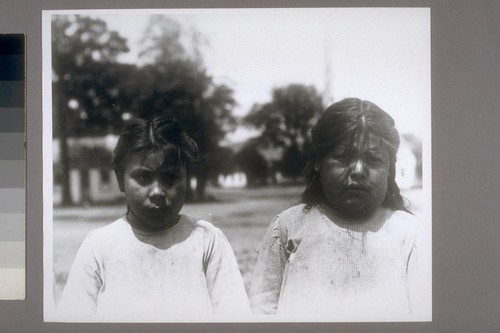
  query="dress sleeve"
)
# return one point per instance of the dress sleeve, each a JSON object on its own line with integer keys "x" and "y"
{"x": 224, "y": 282}
{"x": 268, "y": 275}
{"x": 79, "y": 299}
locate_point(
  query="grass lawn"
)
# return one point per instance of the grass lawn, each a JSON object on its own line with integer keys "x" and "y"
{"x": 242, "y": 214}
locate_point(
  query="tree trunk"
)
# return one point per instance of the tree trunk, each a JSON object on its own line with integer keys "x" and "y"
{"x": 63, "y": 142}
{"x": 201, "y": 184}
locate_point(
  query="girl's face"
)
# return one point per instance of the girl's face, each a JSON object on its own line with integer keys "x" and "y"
{"x": 354, "y": 177}
{"x": 154, "y": 191}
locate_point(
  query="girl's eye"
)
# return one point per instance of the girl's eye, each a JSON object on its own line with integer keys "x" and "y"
{"x": 342, "y": 155}
{"x": 344, "y": 158}
{"x": 143, "y": 177}
{"x": 374, "y": 158}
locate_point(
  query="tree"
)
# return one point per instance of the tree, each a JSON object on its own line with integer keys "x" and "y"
{"x": 85, "y": 89}
{"x": 285, "y": 122}
{"x": 253, "y": 164}
{"x": 293, "y": 162}
{"x": 174, "y": 82}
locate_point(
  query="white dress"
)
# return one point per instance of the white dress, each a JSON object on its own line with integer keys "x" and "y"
{"x": 184, "y": 273}
{"x": 313, "y": 267}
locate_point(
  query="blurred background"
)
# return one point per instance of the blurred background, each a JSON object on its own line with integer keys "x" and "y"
{"x": 248, "y": 86}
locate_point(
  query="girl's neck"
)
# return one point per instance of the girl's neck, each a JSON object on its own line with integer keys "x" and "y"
{"x": 369, "y": 223}
{"x": 135, "y": 222}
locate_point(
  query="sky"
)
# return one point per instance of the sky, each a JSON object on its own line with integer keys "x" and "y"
{"x": 378, "y": 54}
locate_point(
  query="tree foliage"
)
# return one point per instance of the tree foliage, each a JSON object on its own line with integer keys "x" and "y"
{"x": 253, "y": 164}
{"x": 293, "y": 162}
{"x": 87, "y": 80}
{"x": 288, "y": 117}
{"x": 166, "y": 41}
{"x": 92, "y": 91}
{"x": 286, "y": 121}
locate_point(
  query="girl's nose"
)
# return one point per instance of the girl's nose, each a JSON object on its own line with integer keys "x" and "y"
{"x": 358, "y": 168}
{"x": 157, "y": 193}
{"x": 157, "y": 188}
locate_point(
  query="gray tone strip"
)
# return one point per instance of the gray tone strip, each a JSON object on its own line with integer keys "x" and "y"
{"x": 12, "y": 283}
{"x": 12, "y": 43}
{"x": 12, "y": 200}
{"x": 11, "y": 93}
{"x": 12, "y": 254}
{"x": 11, "y": 67}
{"x": 12, "y": 227}
{"x": 12, "y": 146}
{"x": 12, "y": 174}
{"x": 12, "y": 120}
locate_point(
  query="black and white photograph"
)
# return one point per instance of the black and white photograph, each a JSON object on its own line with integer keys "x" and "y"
{"x": 237, "y": 165}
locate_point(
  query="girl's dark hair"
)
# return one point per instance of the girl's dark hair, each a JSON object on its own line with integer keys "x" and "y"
{"x": 349, "y": 120}
{"x": 161, "y": 136}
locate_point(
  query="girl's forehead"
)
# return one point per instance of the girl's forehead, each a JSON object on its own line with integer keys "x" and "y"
{"x": 154, "y": 160}
{"x": 367, "y": 140}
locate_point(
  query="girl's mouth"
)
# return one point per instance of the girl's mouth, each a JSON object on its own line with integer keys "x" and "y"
{"x": 156, "y": 210}
{"x": 357, "y": 188}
